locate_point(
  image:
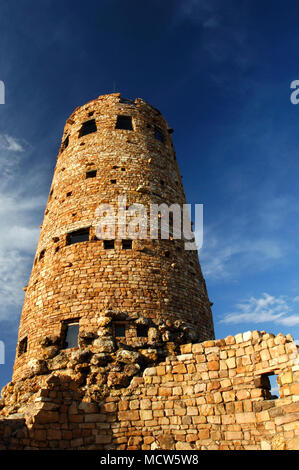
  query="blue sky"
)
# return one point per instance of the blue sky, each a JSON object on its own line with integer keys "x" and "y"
{"x": 220, "y": 73}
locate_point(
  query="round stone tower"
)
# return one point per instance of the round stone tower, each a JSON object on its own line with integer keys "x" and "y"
{"x": 114, "y": 294}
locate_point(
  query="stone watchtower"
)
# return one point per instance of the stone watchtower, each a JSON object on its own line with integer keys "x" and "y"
{"x": 111, "y": 302}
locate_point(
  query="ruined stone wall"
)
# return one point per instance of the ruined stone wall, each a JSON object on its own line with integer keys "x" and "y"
{"x": 155, "y": 279}
{"x": 214, "y": 395}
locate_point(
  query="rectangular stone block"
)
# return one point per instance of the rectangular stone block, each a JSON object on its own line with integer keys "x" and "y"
{"x": 245, "y": 418}
{"x": 131, "y": 415}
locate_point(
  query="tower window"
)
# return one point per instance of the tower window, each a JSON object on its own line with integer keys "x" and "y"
{"x": 91, "y": 174}
{"x": 65, "y": 143}
{"x": 268, "y": 382}
{"x": 88, "y": 127}
{"x": 23, "y": 344}
{"x": 124, "y": 122}
{"x": 71, "y": 334}
{"x": 159, "y": 134}
{"x": 108, "y": 244}
{"x": 142, "y": 330}
{"x": 42, "y": 254}
{"x": 126, "y": 244}
{"x": 81, "y": 235}
{"x": 119, "y": 329}
{"x": 113, "y": 181}
{"x": 69, "y": 194}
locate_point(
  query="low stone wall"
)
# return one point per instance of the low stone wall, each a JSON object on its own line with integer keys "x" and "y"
{"x": 215, "y": 395}
{"x": 13, "y": 433}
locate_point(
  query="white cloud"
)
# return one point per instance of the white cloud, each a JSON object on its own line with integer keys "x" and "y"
{"x": 227, "y": 254}
{"x": 19, "y": 233}
{"x": 267, "y": 308}
{"x": 11, "y": 144}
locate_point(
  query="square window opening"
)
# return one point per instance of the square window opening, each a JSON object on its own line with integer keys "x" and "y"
{"x": 126, "y": 244}
{"x": 268, "y": 383}
{"x": 108, "y": 244}
{"x": 124, "y": 122}
{"x": 142, "y": 331}
{"x": 119, "y": 330}
{"x": 88, "y": 127}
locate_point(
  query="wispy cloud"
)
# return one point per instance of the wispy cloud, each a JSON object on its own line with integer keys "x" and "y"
{"x": 19, "y": 230}
{"x": 266, "y": 308}
{"x": 11, "y": 144}
{"x": 254, "y": 234}
{"x": 227, "y": 252}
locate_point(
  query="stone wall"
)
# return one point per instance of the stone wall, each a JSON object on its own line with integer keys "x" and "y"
{"x": 214, "y": 395}
{"x": 155, "y": 278}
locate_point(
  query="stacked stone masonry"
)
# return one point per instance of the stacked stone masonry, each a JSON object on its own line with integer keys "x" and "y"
{"x": 156, "y": 280}
{"x": 214, "y": 395}
{"x": 145, "y": 371}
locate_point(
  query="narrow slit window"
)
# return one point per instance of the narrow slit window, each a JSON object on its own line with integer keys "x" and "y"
{"x": 274, "y": 390}
{"x": 88, "y": 127}
{"x": 108, "y": 244}
{"x": 65, "y": 143}
{"x": 42, "y": 254}
{"x": 124, "y": 122}
{"x": 91, "y": 174}
{"x": 126, "y": 244}
{"x": 69, "y": 194}
{"x": 23, "y": 345}
{"x": 71, "y": 335}
{"x": 159, "y": 135}
{"x": 78, "y": 236}
{"x": 113, "y": 181}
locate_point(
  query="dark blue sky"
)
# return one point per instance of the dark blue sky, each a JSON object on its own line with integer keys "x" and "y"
{"x": 220, "y": 73}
